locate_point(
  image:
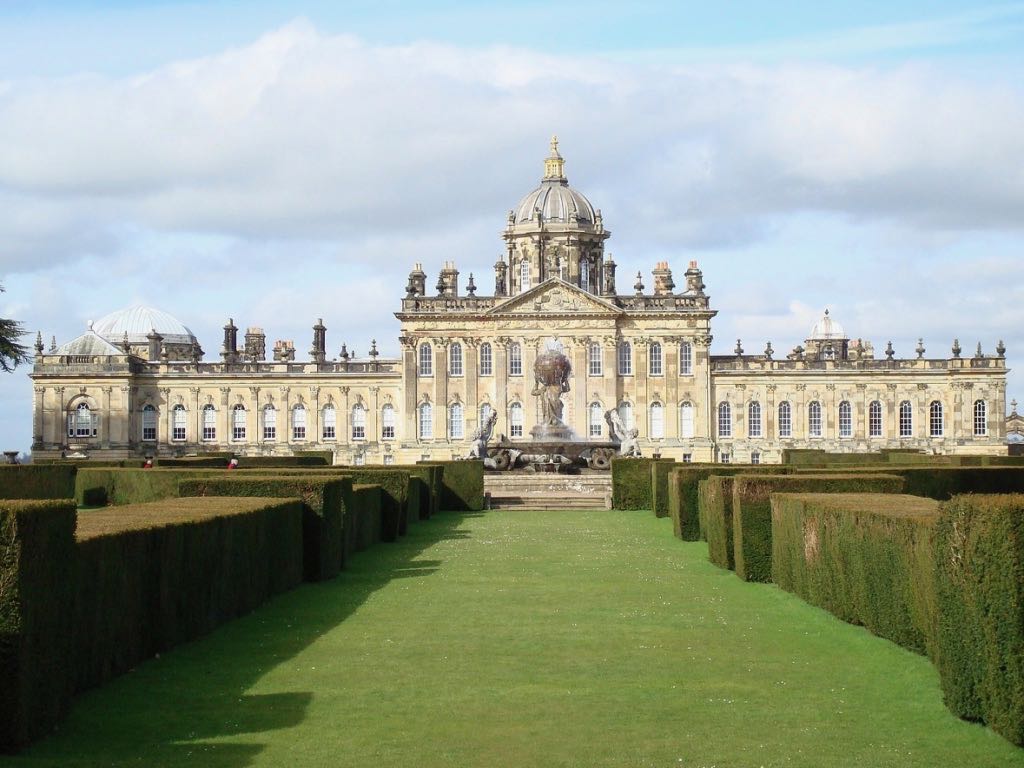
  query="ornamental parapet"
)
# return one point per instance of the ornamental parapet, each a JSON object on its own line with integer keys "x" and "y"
{"x": 725, "y": 363}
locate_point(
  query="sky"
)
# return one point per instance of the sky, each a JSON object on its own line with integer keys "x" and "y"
{"x": 277, "y": 163}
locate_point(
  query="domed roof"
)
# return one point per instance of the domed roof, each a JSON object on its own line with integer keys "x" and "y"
{"x": 554, "y": 199}
{"x": 137, "y": 322}
{"x": 826, "y": 329}
{"x": 89, "y": 344}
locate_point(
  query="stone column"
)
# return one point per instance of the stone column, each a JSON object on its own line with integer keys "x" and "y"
{"x": 769, "y": 415}
{"x": 345, "y": 422}
{"x": 105, "y": 419}
{"x": 410, "y": 387}
{"x": 224, "y": 427}
{"x": 471, "y": 372}
{"x": 670, "y": 366}
{"x": 441, "y": 388}
{"x": 62, "y": 420}
{"x": 197, "y": 420}
{"x": 314, "y": 433}
{"x": 500, "y": 352}
{"x": 163, "y": 434}
{"x": 38, "y": 404}
{"x": 640, "y": 395}
{"x": 373, "y": 417}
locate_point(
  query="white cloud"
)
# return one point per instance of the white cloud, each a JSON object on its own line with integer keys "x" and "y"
{"x": 270, "y": 181}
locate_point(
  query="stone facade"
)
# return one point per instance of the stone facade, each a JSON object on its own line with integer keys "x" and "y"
{"x": 646, "y": 353}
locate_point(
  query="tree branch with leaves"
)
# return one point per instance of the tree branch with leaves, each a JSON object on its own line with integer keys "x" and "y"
{"x": 12, "y": 353}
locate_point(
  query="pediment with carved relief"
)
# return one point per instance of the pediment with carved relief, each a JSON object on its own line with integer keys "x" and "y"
{"x": 555, "y": 296}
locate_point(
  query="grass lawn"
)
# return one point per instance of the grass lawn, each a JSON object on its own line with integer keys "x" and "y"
{"x": 528, "y": 639}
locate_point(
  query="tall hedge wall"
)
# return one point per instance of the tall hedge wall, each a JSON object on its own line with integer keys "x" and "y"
{"x": 367, "y": 499}
{"x": 683, "y": 481}
{"x": 37, "y": 555}
{"x": 430, "y": 488}
{"x": 631, "y": 483}
{"x": 37, "y": 481}
{"x": 980, "y": 640}
{"x": 660, "y": 469}
{"x": 323, "y": 512}
{"x": 752, "y": 516}
{"x": 394, "y": 484}
{"x": 715, "y": 502}
{"x": 110, "y": 485}
{"x": 944, "y": 482}
{"x": 866, "y": 558}
{"x": 151, "y": 576}
{"x": 462, "y": 485}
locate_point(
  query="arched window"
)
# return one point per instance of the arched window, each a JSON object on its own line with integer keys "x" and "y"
{"x": 238, "y": 422}
{"x": 270, "y": 423}
{"x": 485, "y": 413}
{"x": 625, "y": 359}
{"x": 724, "y": 419}
{"x": 657, "y": 421}
{"x": 585, "y": 276}
{"x": 626, "y": 414}
{"x": 387, "y": 422}
{"x": 209, "y": 422}
{"x": 654, "y": 359}
{"x": 686, "y": 359}
{"x": 358, "y": 422}
{"x": 686, "y": 420}
{"x": 486, "y": 360}
{"x": 82, "y": 422}
{"x": 524, "y": 274}
{"x": 814, "y": 419}
{"x": 329, "y": 422}
{"x": 935, "y": 419}
{"x": 754, "y": 419}
{"x": 594, "y": 361}
{"x": 149, "y": 423}
{"x": 179, "y": 419}
{"x": 845, "y": 419}
{"x": 785, "y": 419}
{"x": 874, "y": 419}
{"x": 515, "y": 420}
{"x": 426, "y": 360}
{"x": 980, "y": 418}
{"x": 595, "y": 426}
{"x": 906, "y": 419}
{"x": 299, "y": 422}
{"x": 515, "y": 360}
{"x": 455, "y": 359}
{"x": 455, "y": 421}
{"x": 426, "y": 421}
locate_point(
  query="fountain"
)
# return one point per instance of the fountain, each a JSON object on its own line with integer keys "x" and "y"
{"x": 555, "y": 447}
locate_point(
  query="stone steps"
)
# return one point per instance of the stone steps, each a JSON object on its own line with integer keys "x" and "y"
{"x": 515, "y": 490}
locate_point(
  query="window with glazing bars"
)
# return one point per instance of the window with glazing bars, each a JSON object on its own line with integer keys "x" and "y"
{"x": 875, "y": 419}
{"x": 785, "y": 419}
{"x": 625, "y": 359}
{"x": 387, "y": 422}
{"x": 515, "y": 360}
{"x": 594, "y": 367}
{"x": 754, "y": 419}
{"x": 935, "y": 419}
{"x": 486, "y": 360}
{"x": 980, "y": 418}
{"x": 814, "y": 419}
{"x": 358, "y": 422}
{"x": 686, "y": 359}
{"x": 329, "y": 422}
{"x": 209, "y": 422}
{"x": 906, "y": 419}
{"x": 845, "y": 419}
{"x": 724, "y": 420}
{"x": 179, "y": 420}
{"x": 654, "y": 361}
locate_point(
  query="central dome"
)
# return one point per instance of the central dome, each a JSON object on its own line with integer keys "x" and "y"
{"x": 137, "y": 322}
{"x": 827, "y": 329}
{"x": 554, "y": 199}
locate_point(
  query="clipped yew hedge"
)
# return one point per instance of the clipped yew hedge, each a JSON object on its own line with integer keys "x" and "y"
{"x": 752, "y": 515}
{"x": 979, "y": 553}
{"x": 715, "y": 501}
{"x": 462, "y": 484}
{"x": 683, "y": 485}
{"x": 324, "y": 512}
{"x": 660, "y": 469}
{"x": 152, "y": 576}
{"x": 430, "y": 487}
{"x": 366, "y": 531}
{"x": 631, "y": 483}
{"x": 37, "y": 481}
{"x": 37, "y": 582}
{"x": 866, "y": 558}
{"x": 394, "y": 485}
{"x": 112, "y": 485}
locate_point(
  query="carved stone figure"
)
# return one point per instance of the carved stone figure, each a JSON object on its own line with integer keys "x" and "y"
{"x": 480, "y": 438}
{"x": 629, "y": 444}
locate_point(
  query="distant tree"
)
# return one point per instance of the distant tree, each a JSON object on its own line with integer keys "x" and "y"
{"x": 11, "y": 352}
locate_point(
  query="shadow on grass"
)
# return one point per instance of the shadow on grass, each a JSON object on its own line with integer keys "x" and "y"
{"x": 180, "y": 709}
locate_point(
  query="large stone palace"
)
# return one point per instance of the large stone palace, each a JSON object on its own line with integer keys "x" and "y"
{"x": 136, "y": 382}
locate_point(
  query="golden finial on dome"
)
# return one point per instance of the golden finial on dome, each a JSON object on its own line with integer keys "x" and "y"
{"x": 554, "y": 164}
